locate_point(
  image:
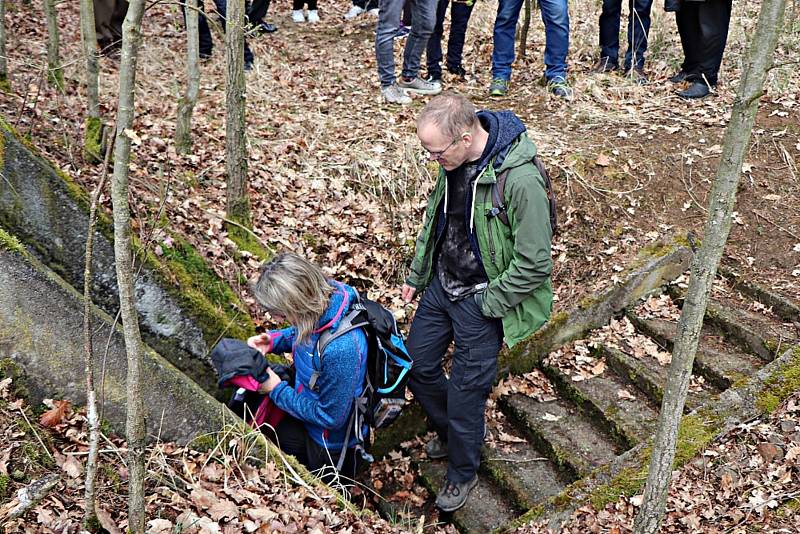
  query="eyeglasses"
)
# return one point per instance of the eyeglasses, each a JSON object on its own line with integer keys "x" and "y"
{"x": 436, "y": 156}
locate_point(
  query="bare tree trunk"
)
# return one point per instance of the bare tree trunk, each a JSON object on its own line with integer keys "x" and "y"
{"x": 93, "y": 132}
{"x": 183, "y": 127}
{"x": 90, "y": 512}
{"x": 135, "y": 421}
{"x": 54, "y": 73}
{"x": 526, "y": 24}
{"x": 704, "y": 265}
{"x": 238, "y": 202}
{"x": 4, "y": 85}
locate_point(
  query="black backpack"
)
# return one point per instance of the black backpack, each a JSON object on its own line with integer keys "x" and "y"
{"x": 498, "y": 196}
{"x": 387, "y": 373}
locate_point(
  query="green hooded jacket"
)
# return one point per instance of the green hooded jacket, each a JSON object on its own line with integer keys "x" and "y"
{"x": 516, "y": 257}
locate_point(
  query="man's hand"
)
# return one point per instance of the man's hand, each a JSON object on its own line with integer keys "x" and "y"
{"x": 262, "y": 343}
{"x": 407, "y": 293}
{"x": 271, "y": 383}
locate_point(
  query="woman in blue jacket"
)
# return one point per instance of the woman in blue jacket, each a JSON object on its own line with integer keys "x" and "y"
{"x": 320, "y": 403}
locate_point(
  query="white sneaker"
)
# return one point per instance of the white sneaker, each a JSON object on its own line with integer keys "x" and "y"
{"x": 313, "y": 16}
{"x": 297, "y": 16}
{"x": 394, "y": 95}
{"x": 353, "y": 13}
{"x": 373, "y": 12}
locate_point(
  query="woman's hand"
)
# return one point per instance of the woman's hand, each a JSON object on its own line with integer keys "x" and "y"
{"x": 261, "y": 342}
{"x": 271, "y": 382}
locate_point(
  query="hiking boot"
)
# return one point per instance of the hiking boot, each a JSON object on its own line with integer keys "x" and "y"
{"x": 373, "y": 13}
{"x": 394, "y": 95}
{"x": 436, "y": 449}
{"x": 419, "y": 86}
{"x": 266, "y": 27}
{"x": 297, "y": 16}
{"x": 560, "y": 88}
{"x": 604, "y": 64}
{"x": 681, "y": 76}
{"x": 498, "y": 87}
{"x": 695, "y": 91}
{"x": 353, "y": 13}
{"x": 638, "y": 75}
{"x": 454, "y": 494}
{"x": 313, "y": 16}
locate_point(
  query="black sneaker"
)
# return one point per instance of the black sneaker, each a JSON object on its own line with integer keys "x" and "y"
{"x": 605, "y": 64}
{"x": 266, "y": 27}
{"x": 458, "y": 70}
{"x": 454, "y": 494}
{"x": 681, "y": 76}
{"x": 695, "y": 91}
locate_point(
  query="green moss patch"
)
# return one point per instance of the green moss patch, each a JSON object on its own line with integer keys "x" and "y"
{"x": 246, "y": 241}
{"x": 92, "y": 140}
{"x": 780, "y": 385}
{"x": 218, "y": 310}
{"x": 10, "y": 242}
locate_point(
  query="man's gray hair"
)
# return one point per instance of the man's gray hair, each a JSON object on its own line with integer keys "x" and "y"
{"x": 451, "y": 112}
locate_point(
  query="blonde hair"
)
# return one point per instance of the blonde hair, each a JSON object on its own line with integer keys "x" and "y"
{"x": 451, "y": 112}
{"x": 295, "y": 288}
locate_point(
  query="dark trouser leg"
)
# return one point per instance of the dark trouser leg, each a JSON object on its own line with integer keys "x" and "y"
{"x": 290, "y": 436}
{"x": 408, "y": 12}
{"x": 714, "y": 19}
{"x": 460, "y": 13}
{"x": 312, "y": 5}
{"x": 206, "y": 44}
{"x": 222, "y": 6}
{"x": 609, "y": 30}
{"x": 423, "y": 21}
{"x": 257, "y": 12}
{"x": 689, "y": 29}
{"x": 638, "y": 31}
{"x": 434, "y": 51}
{"x": 297, "y": 5}
{"x": 477, "y": 341}
{"x": 431, "y": 333}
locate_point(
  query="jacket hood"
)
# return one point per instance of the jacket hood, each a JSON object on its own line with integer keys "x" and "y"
{"x": 341, "y": 299}
{"x": 504, "y": 128}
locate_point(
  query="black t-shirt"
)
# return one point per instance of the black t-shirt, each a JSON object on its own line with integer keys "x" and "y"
{"x": 459, "y": 269}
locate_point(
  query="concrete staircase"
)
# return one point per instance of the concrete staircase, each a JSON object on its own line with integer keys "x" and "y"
{"x": 590, "y": 423}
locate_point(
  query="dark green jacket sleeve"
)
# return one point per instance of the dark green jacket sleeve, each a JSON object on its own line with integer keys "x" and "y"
{"x": 531, "y": 264}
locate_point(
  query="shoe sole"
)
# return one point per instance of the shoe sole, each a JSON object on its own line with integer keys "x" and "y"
{"x": 498, "y": 93}
{"x": 437, "y": 456}
{"x": 469, "y": 489}
{"x": 424, "y": 92}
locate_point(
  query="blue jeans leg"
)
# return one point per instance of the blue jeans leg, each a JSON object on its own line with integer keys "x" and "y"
{"x": 423, "y": 19}
{"x": 555, "y": 16}
{"x": 388, "y": 19}
{"x": 505, "y": 26}
{"x": 638, "y": 31}
{"x": 609, "y": 30}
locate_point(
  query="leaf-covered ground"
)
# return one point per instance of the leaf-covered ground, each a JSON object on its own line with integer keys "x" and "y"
{"x": 339, "y": 176}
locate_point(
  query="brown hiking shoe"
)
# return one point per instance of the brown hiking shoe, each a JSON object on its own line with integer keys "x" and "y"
{"x": 604, "y": 64}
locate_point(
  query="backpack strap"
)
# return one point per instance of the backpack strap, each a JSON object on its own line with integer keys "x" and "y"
{"x": 349, "y": 322}
{"x": 499, "y": 209}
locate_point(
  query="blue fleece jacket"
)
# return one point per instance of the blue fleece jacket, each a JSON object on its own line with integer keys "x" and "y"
{"x": 325, "y": 411}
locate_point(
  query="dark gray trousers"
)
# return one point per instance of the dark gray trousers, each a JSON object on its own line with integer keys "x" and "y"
{"x": 455, "y": 406}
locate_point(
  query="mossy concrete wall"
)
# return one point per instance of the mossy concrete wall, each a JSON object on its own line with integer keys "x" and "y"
{"x": 49, "y": 214}
{"x": 41, "y": 330}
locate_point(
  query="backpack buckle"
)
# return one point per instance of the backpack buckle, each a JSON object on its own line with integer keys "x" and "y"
{"x": 495, "y": 211}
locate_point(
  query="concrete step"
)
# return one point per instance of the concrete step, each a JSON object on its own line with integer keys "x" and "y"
{"x": 718, "y": 360}
{"x": 630, "y": 421}
{"x": 650, "y": 377}
{"x": 487, "y": 506}
{"x": 783, "y": 308}
{"x": 560, "y": 430}
{"x": 525, "y": 474}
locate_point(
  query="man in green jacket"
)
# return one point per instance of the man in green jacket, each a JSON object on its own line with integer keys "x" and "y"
{"x": 484, "y": 281}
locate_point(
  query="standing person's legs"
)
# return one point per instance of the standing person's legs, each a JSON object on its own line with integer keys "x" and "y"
{"x": 222, "y": 6}
{"x": 312, "y": 5}
{"x": 388, "y": 16}
{"x": 460, "y": 13}
{"x": 609, "y": 31}
{"x": 297, "y": 5}
{"x": 431, "y": 333}
{"x": 714, "y": 19}
{"x": 206, "y": 43}
{"x": 477, "y": 341}
{"x": 423, "y": 20}
{"x": 505, "y": 25}
{"x": 689, "y": 29}
{"x": 555, "y": 16}
{"x": 408, "y": 13}
{"x": 433, "y": 53}
{"x": 638, "y": 31}
{"x": 257, "y": 12}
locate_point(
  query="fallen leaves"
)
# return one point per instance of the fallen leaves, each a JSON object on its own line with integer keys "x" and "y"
{"x": 56, "y": 414}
